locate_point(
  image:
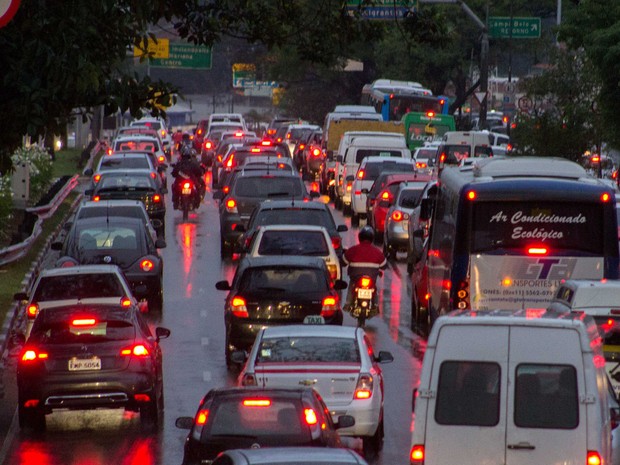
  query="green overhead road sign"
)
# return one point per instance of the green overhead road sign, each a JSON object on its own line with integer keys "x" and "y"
{"x": 186, "y": 56}
{"x": 522, "y": 28}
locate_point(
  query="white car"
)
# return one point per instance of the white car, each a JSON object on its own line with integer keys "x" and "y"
{"x": 337, "y": 361}
{"x": 160, "y": 125}
{"x": 133, "y": 143}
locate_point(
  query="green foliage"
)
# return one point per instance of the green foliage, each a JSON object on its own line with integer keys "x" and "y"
{"x": 6, "y": 203}
{"x": 38, "y": 159}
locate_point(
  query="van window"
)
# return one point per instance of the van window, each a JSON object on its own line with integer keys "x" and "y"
{"x": 363, "y": 153}
{"x": 468, "y": 394}
{"x": 546, "y": 397}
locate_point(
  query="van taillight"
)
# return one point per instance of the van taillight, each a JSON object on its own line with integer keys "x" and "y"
{"x": 417, "y": 455}
{"x": 462, "y": 295}
{"x": 593, "y": 458}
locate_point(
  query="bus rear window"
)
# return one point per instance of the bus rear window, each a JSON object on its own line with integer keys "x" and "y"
{"x": 563, "y": 228}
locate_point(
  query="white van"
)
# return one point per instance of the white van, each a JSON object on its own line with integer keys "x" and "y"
{"x": 457, "y": 145}
{"x": 227, "y": 118}
{"x": 600, "y": 300}
{"x": 360, "y": 148}
{"x": 512, "y": 387}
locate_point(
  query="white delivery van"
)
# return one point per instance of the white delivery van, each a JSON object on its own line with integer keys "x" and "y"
{"x": 458, "y": 145}
{"x": 360, "y": 148}
{"x": 600, "y": 300}
{"x": 507, "y": 387}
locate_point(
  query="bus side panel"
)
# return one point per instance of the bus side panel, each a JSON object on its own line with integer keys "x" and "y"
{"x": 515, "y": 282}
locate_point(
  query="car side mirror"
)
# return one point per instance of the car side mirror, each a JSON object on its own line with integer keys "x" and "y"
{"x": 222, "y": 286}
{"x": 339, "y": 284}
{"x": 88, "y": 172}
{"x": 160, "y": 243}
{"x": 342, "y": 228}
{"x": 56, "y": 246}
{"x": 184, "y": 422}
{"x": 344, "y": 421}
{"x": 162, "y": 333}
{"x": 384, "y": 357}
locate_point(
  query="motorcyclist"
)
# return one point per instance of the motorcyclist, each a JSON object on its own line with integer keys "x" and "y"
{"x": 363, "y": 259}
{"x": 177, "y": 138}
{"x": 187, "y": 167}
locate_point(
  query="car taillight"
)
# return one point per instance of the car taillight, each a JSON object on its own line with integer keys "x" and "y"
{"x": 163, "y": 133}
{"x": 255, "y": 150}
{"x": 266, "y": 142}
{"x": 349, "y": 186}
{"x": 333, "y": 271}
{"x": 31, "y": 355}
{"x": 462, "y": 295}
{"x": 96, "y": 198}
{"x": 593, "y": 458}
{"x": 336, "y": 242}
{"x": 32, "y": 310}
{"x": 96, "y": 178}
{"x": 363, "y": 390}
{"x": 84, "y": 322}
{"x": 385, "y": 195}
{"x": 109, "y": 151}
{"x": 208, "y": 145}
{"x": 330, "y": 305}
{"x": 420, "y": 164}
{"x": 249, "y": 380}
{"x": 201, "y": 417}
{"x": 156, "y": 198}
{"x": 360, "y": 174}
{"x": 239, "y": 308}
{"x": 397, "y": 216}
{"x": 139, "y": 350}
{"x": 230, "y": 163}
{"x": 302, "y": 146}
{"x": 125, "y": 302}
{"x": 316, "y": 152}
{"x": 416, "y": 456}
{"x": 310, "y": 416}
{"x": 147, "y": 265}
{"x": 226, "y": 189}
{"x": 161, "y": 159}
{"x": 231, "y": 206}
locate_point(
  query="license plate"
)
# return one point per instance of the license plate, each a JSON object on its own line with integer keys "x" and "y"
{"x": 83, "y": 364}
{"x": 186, "y": 191}
{"x": 364, "y": 293}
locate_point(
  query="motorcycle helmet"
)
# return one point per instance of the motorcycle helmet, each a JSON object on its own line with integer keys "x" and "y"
{"x": 366, "y": 234}
{"x": 186, "y": 153}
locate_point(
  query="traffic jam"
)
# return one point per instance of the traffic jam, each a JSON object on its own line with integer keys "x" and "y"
{"x": 319, "y": 294}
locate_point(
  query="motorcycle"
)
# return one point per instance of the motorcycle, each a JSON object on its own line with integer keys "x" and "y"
{"x": 188, "y": 198}
{"x": 364, "y": 304}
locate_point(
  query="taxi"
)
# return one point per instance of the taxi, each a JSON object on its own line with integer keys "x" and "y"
{"x": 337, "y": 361}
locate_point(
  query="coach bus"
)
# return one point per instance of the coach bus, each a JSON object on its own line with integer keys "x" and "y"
{"x": 393, "y": 99}
{"x": 426, "y": 127}
{"x": 506, "y": 231}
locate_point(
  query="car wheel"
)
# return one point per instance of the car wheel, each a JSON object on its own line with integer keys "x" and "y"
{"x": 373, "y": 444}
{"x": 151, "y": 412}
{"x": 31, "y": 418}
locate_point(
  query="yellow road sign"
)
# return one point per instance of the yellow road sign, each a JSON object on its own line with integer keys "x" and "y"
{"x": 159, "y": 49}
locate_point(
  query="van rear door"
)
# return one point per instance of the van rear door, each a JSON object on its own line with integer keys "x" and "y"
{"x": 466, "y": 417}
{"x": 546, "y": 421}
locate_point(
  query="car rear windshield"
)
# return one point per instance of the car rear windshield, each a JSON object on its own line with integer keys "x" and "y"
{"x": 269, "y": 186}
{"x": 363, "y": 153}
{"x": 295, "y": 216}
{"x": 319, "y": 349}
{"x": 283, "y": 279}
{"x": 426, "y": 154}
{"x": 78, "y": 286}
{"x": 136, "y": 182}
{"x": 410, "y": 198}
{"x": 149, "y": 146}
{"x": 98, "y": 211}
{"x": 259, "y": 417}
{"x": 374, "y": 169}
{"x": 121, "y": 244}
{"x": 288, "y": 242}
{"x": 80, "y": 327}
{"x": 124, "y": 162}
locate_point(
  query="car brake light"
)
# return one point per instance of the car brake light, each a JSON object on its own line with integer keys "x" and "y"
{"x": 363, "y": 390}
{"x": 32, "y": 310}
{"x": 83, "y": 322}
{"x": 249, "y": 380}
{"x": 202, "y": 417}
{"x": 238, "y": 134}
{"x": 471, "y": 195}
{"x": 385, "y": 195}
{"x": 417, "y": 454}
{"x": 336, "y": 242}
{"x": 316, "y": 152}
{"x": 96, "y": 178}
{"x": 231, "y": 205}
{"x": 146, "y": 265}
{"x": 333, "y": 271}
{"x": 31, "y": 355}
{"x": 360, "y": 174}
{"x": 156, "y": 198}
{"x": 162, "y": 159}
{"x": 208, "y": 145}
{"x": 537, "y": 251}
{"x": 125, "y": 302}
{"x": 266, "y": 142}
{"x": 330, "y": 305}
{"x": 257, "y": 403}
{"x": 420, "y": 164}
{"x": 96, "y": 198}
{"x": 226, "y": 189}
{"x": 605, "y": 197}
{"x": 138, "y": 350}
{"x": 593, "y": 458}
{"x": 255, "y": 150}
{"x": 397, "y": 215}
{"x": 239, "y": 308}
{"x": 310, "y": 416}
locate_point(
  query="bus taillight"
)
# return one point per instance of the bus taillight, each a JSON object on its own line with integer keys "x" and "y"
{"x": 537, "y": 251}
{"x": 471, "y": 195}
{"x": 605, "y": 197}
{"x": 462, "y": 295}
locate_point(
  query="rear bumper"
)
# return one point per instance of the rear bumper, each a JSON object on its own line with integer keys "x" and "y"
{"x": 367, "y": 415}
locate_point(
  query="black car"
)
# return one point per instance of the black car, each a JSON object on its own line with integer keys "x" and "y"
{"x": 87, "y": 357}
{"x": 276, "y": 290}
{"x": 232, "y": 418}
{"x": 293, "y": 212}
{"x": 250, "y": 189}
{"x": 117, "y": 241}
{"x": 143, "y": 185}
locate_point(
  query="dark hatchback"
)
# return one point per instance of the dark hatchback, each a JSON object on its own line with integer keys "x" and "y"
{"x": 232, "y": 418}
{"x": 278, "y": 212}
{"x": 249, "y": 190}
{"x": 117, "y": 241}
{"x": 276, "y": 290}
{"x": 90, "y": 356}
